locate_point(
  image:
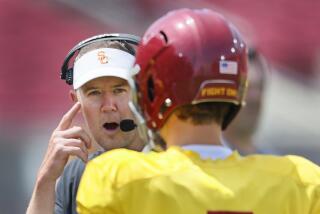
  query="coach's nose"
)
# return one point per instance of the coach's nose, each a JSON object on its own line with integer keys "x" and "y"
{"x": 109, "y": 103}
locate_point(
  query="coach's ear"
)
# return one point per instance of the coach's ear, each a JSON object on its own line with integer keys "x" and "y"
{"x": 73, "y": 95}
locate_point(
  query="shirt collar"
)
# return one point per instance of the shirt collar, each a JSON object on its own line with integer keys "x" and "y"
{"x": 209, "y": 151}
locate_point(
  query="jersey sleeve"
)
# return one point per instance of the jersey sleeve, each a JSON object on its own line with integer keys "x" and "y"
{"x": 309, "y": 176}
{"x": 96, "y": 193}
{"x": 316, "y": 201}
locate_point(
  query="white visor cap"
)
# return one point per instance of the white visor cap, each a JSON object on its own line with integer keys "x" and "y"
{"x": 103, "y": 62}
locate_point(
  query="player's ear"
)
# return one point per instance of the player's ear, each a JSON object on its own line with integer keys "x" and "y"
{"x": 73, "y": 95}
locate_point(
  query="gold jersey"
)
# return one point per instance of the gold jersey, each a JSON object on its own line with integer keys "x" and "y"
{"x": 180, "y": 182}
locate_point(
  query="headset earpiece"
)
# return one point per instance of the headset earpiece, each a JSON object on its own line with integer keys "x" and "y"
{"x": 69, "y": 76}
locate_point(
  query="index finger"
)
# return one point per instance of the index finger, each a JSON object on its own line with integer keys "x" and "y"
{"x": 69, "y": 116}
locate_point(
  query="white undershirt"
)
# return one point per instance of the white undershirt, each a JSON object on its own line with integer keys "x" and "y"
{"x": 209, "y": 151}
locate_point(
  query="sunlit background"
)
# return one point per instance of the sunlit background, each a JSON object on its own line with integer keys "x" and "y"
{"x": 36, "y": 35}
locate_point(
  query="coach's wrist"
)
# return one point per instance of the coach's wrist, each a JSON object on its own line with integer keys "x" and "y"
{"x": 45, "y": 182}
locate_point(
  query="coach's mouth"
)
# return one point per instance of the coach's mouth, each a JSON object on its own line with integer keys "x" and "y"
{"x": 111, "y": 126}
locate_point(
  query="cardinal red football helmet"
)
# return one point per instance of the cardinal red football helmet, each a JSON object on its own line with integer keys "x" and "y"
{"x": 188, "y": 57}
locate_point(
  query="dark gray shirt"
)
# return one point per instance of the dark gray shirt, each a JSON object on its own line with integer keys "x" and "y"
{"x": 67, "y": 186}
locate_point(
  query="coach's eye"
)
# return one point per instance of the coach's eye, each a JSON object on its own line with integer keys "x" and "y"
{"x": 93, "y": 92}
{"x": 119, "y": 90}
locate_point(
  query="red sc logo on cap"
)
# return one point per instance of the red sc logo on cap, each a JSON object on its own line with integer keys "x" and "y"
{"x": 102, "y": 57}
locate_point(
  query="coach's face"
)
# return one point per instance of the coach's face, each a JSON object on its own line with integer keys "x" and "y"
{"x": 104, "y": 104}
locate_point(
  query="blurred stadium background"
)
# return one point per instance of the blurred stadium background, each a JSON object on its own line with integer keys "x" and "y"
{"x": 36, "y": 35}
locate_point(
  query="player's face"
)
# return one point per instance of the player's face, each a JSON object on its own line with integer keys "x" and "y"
{"x": 104, "y": 104}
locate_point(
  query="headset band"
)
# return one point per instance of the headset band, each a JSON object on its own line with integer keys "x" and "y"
{"x": 67, "y": 73}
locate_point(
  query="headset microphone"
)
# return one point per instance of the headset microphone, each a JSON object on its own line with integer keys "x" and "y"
{"x": 127, "y": 125}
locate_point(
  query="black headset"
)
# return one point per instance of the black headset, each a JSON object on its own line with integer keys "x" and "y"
{"x": 67, "y": 72}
